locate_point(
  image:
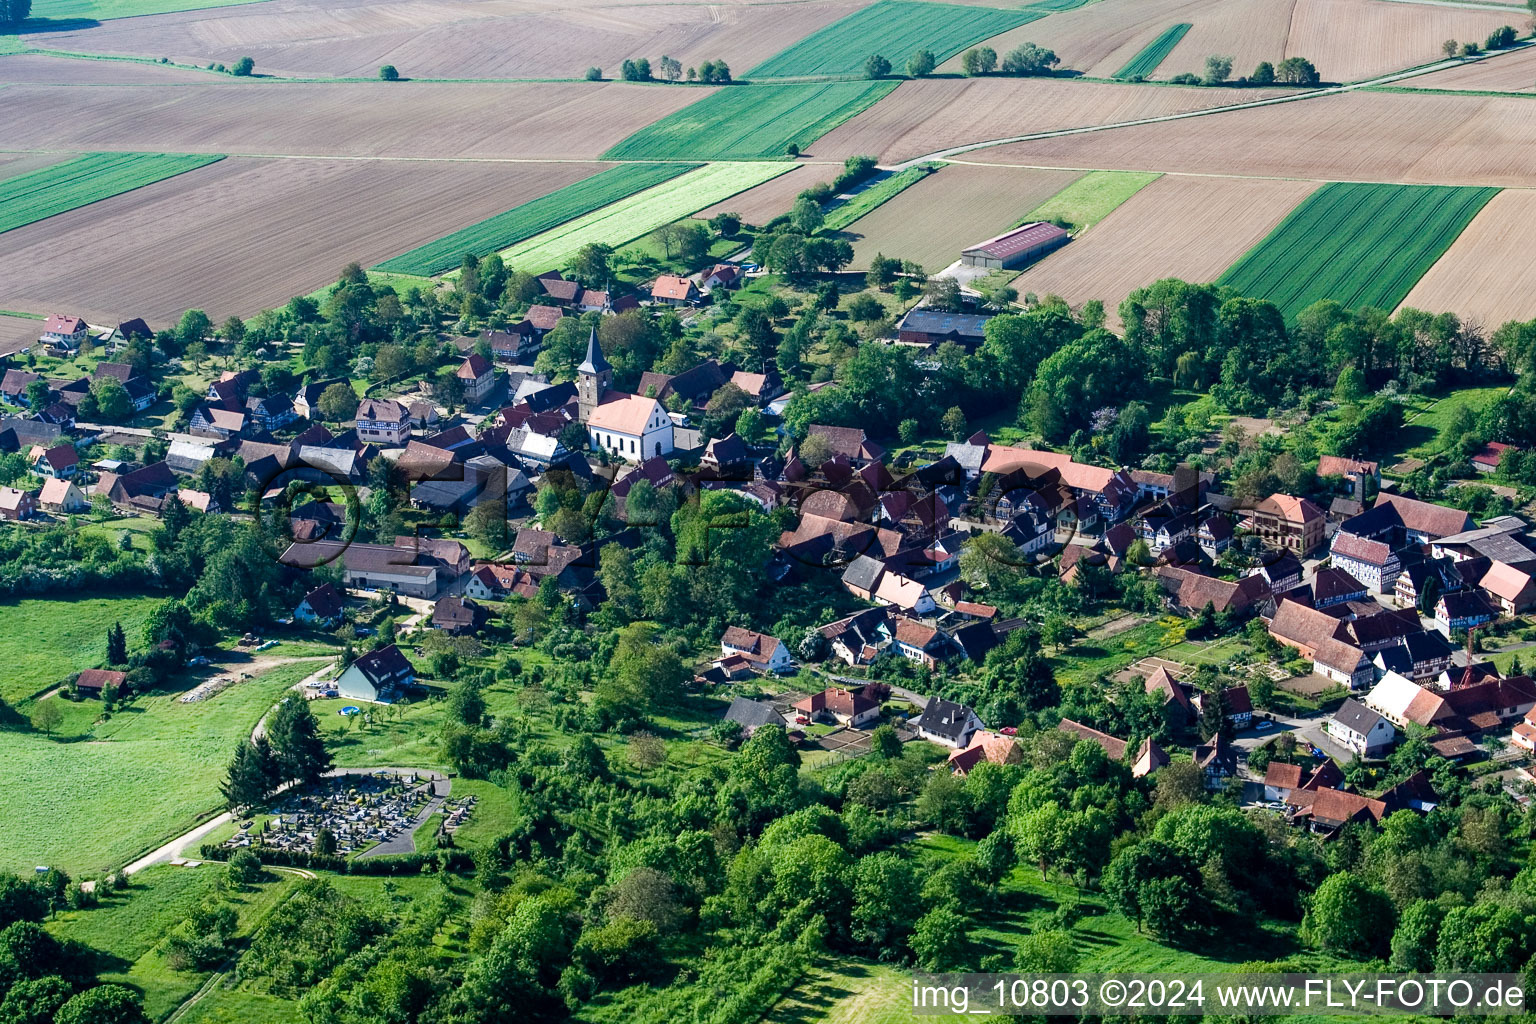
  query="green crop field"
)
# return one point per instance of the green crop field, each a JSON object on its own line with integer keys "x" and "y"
{"x": 872, "y": 197}
{"x": 1358, "y": 244}
{"x": 523, "y": 222}
{"x": 1154, "y": 53}
{"x": 751, "y": 122}
{"x": 32, "y": 197}
{"x": 896, "y": 29}
{"x": 46, "y": 639}
{"x": 1091, "y": 198}
{"x": 100, "y": 10}
{"x": 95, "y": 800}
{"x": 640, "y": 214}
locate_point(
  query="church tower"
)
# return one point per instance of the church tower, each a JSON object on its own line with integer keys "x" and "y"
{"x": 593, "y": 377}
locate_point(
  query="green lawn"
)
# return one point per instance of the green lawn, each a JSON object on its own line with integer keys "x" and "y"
{"x": 894, "y": 29}
{"x": 94, "y": 803}
{"x": 34, "y": 196}
{"x": 873, "y": 197}
{"x": 1154, "y": 53}
{"x": 640, "y": 214}
{"x": 523, "y": 222}
{"x": 1086, "y": 659}
{"x": 1359, "y": 244}
{"x": 1091, "y": 198}
{"x": 48, "y": 638}
{"x": 1429, "y": 426}
{"x": 751, "y": 122}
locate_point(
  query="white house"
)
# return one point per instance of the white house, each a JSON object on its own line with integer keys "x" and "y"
{"x": 63, "y": 332}
{"x": 383, "y": 421}
{"x": 633, "y": 427}
{"x": 1372, "y": 562}
{"x": 948, "y": 723}
{"x": 1359, "y": 729}
{"x": 375, "y": 676}
{"x": 905, "y": 593}
{"x": 322, "y": 606}
{"x": 763, "y": 652}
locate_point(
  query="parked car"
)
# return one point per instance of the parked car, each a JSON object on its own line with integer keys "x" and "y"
{"x": 199, "y": 661}
{"x": 1261, "y": 726}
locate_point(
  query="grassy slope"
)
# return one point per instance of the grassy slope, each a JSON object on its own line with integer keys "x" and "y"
{"x": 895, "y": 29}
{"x": 45, "y": 639}
{"x": 40, "y": 194}
{"x": 641, "y": 213}
{"x": 1154, "y": 53}
{"x": 1359, "y": 244}
{"x": 751, "y": 122}
{"x": 1091, "y": 198}
{"x": 531, "y": 218}
{"x": 95, "y": 802}
{"x": 872, "y": 198}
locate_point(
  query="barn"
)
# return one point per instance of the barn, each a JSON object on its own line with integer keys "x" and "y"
{"x": 1015, "y": 248}
{"x": 923, "y": 326}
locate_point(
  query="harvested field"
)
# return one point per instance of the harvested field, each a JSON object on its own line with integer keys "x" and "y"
{"x": 17, "y": 333}
{"x": 1100, "y": 38}
{"x": 1353, "y": 39}
{"x": 459, "y": 38}
{"x": 244, "y": 235}
{"x": 1246, "y": 30}
{"x": 761, "y": 204}
{"x": 1191, "y": 228}
{"x": 1506, "y": 72}
{"x": 1360, "y": 136}
{"x": 1358, "y": 244}
{"x": 751, "y": 122}
{"x": 895, "y": 28}
{"x": 520, "y": 121}
{"x": 1487, "y": 274}
{"x": 36, "y": 69}
{"x": 39, "y": 194}
{"x": 926, "y": 116}
{"x": 942, "y": 214}
{"x": 1145, "y": 63}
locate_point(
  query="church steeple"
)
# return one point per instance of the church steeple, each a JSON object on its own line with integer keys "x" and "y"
{"x": 593, "y": 377}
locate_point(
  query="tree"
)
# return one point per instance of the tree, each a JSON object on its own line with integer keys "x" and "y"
{"x": 337, "y": 403}
{"x": 635, "y": 70}
{"x": 104, "y": 1004}
{"x": 1218, "y": 69}
{"x": 112, "y": 402}
{"x": 243, "y": 67}
{"x": 1501, "y": 38}
{"x": 884, "y": 743}
{"x": 591, "y": 265}
{"x": 35, "y": 1000}
{"x": 298, "y": 750}
{"x": 14, "y": 12}
{"x": 1348, "y": 915}
{"x": 37, "y": 394}
{"x": 806, "y": 215}
{"x": 980, "y": 60}
{"x": 921, "y": 64}
{"x": 117, "y": 645}
{"x": 47, "y": 716}
{"x": 792, "y": 150}
{"x": 953, "y": 422}
{"x": 250, "y": 776}
{"x": 939, "y": 940}
{"x": 726, "y": 225}
{"x": 1263, "y": 74}
{"x": 1047, "y": 951}
{"x": 876, "y": 66}
{"x": 883, "y": 910}
{"x": 1449, "y": 47}
{"x": 594, "y": 74}
{"x": 245, "y": 868}
{"x": 1296, "y": 71}
{"x": 1030, "y": 59}
{"x": 387, "y": 73}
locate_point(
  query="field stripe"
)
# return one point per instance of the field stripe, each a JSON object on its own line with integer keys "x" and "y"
{"x": 640, "y": 214}
{"x": 1359, "y": 244}
{"x": 872, "y": 198}
{"x": 38, "y": 195}
{"x": 533, "y": 218}
{"x": 896, "y": 29}
{"x": 1154, "y": 53}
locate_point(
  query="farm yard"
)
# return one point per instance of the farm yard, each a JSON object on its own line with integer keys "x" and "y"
{"x": 927, "y": 116}
{"x": 640, "y": 214}
{"x": 1191, "y": 228}
{"x": 1487, "y": 273}
{"x": 1358, "y": 244}
{"x": 934, "y": 219}
{"x": 244, "y": 235}
{"x": 731, "y": 124}
{"x": 894, "y": 28}
{"x": 34, "y": 196}
{"x": 455, "y": 39}
{"x": 1145, "y": 63}
{"x": 510, "y": 121}
{"x": 533, "y": 217}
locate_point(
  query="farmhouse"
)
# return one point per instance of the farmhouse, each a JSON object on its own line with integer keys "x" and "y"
{"x": 369, "y": 566}
{"x": 458, "y": 615}
{"x": 752, "y": 715}
{"x": 98, "y": 679}
{"x": 1359, "y": 729}
{"x": 63, "y": 333}
{"x": 1288, "y": 523}
{"x": 674, "y": 291}
{"x": 477, "y": 375}
{"x": 322, "y": 606}
{"x": 61, "y": 462}
{"x": 212, "y": 421}
{"x": 1372, "y": 562}
{"x": 1112, "y": 747}
{"x": 383, "y": 421}
{"x": 985, "y": 746}
{"x": 306, "y": 401}
{"x": 62, "y": 496}
{"x": 377, "y": 676}
{"x": 492, "y": 581}
{"x": 846, "y": 707}
{"x": 17, "y": 504}
{"x": 1351, "y": 471}
{"x": 1511, "y": 589}
{"x": 763, "y": 652}
{"x": 948, "y": 723}
{"x": 929, "y": 327}
{"x": 1015, "y": 248}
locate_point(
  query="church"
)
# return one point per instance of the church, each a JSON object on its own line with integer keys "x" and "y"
{"x": 633, "y": 427}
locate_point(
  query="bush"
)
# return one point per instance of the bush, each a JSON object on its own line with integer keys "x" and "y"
{"x": 1502, "y": 38}
{"x": 243, "y": 67}
{"x": 1186, "y": 78}
{"x": 594, "y": 74}
{"x": 245, "y": 868}
{"x": 876, "y": 66}
{"x": 387, "y": 73}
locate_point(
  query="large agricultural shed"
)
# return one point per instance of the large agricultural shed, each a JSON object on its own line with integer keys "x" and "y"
{"x": 1015, "y": 248}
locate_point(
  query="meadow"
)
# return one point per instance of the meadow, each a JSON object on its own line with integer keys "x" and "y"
{"x": 895, "y": 29}
{"x": 873, "y": 197}
{"x": 92, "y": 802}
{"x": 52, "y": 190}
{"x": 100, "y": 10}
{"x": 1154, "y": 53}
{"x": 1359, "y": 244}
{"x": 640, "y": 214}
{"x": 531, "y": 218}
{"x": 48, "y": 638}
{"x": 1091, "y": 198}
{"x": 751, "y": 122}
